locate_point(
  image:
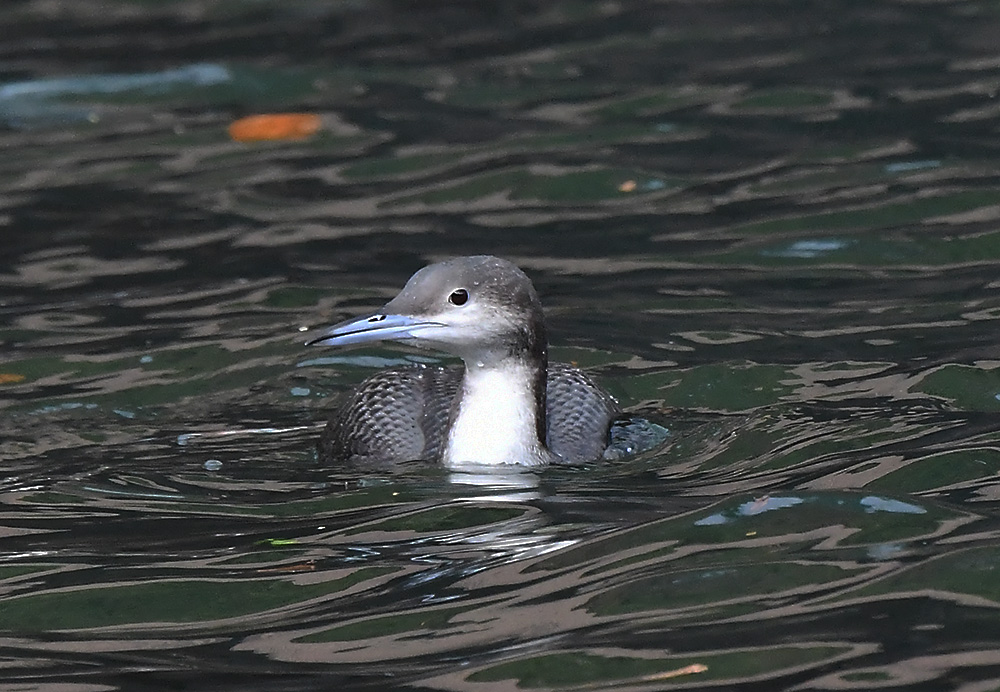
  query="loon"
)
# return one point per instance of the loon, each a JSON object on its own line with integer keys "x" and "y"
{"x": 507, "y": 405}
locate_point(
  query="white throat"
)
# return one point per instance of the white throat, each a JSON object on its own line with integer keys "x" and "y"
{"x": 495, "y": 421}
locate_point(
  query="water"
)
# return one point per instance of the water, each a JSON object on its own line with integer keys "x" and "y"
{"x": 769, "y": 227}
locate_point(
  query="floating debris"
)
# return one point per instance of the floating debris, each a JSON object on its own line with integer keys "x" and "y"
{"x": 274, "y": 126}
{"x": 692, "y": 669}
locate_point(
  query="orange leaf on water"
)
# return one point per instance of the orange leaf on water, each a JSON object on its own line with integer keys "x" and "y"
{"x": 7, "y": 377}
{"x": 271, "y": 126}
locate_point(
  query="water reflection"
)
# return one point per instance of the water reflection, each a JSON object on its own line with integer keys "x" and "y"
{"x": 504, "y": 480}
{"x": 42, "y": 102}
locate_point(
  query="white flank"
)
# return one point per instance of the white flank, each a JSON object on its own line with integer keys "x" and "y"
{"x": 496, "y": 419}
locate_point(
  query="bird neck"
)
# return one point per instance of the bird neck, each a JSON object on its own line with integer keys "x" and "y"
{"x": 499, "y": 414}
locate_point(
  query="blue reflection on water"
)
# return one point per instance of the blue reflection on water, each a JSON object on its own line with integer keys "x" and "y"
{"x": 808, "y": 249}
{"x": 33, "y": 103}
{"x": 880, "y": 504}
{"x": 752, "y": 508}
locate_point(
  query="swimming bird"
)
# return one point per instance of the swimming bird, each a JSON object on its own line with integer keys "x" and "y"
{"x": 507, "y": 404}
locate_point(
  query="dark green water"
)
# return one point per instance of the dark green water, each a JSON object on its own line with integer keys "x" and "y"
{"x": 773, "y": 227}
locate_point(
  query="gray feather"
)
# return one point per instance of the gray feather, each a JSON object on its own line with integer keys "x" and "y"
{"x": 403, "y": 414}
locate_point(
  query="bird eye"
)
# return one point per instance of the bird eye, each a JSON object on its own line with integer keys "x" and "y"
{"x": 459, "y": 297}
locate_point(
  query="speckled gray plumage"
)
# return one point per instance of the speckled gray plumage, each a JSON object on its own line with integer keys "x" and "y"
{"x": 578, "y": 414}
{"x": 403, "y": 414}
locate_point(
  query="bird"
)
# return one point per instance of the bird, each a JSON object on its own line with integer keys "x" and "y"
{"x": 505, "y": 405}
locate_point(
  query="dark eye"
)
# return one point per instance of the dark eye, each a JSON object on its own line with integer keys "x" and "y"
{"x": 459, "y": 297}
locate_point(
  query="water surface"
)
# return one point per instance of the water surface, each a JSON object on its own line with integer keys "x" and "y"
{"x": 770, "y": 227}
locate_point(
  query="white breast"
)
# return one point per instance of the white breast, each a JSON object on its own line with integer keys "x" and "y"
{"x": 496, "y": 419}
